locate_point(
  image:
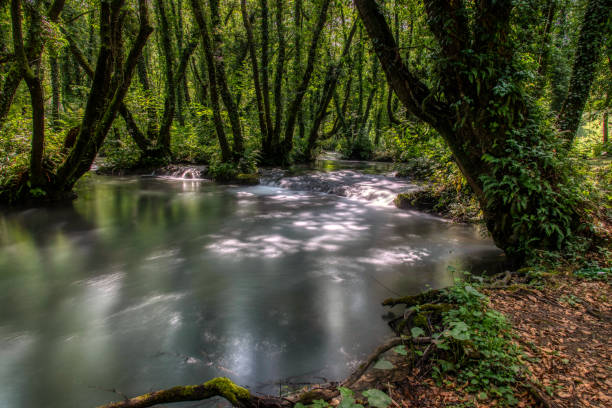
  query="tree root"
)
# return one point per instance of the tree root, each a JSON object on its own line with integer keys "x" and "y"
{"x": 386, "y": 346}
{"x": 539, "y": 395}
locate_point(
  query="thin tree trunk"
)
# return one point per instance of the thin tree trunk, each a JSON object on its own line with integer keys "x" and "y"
{"x": 329, "y": 89}
{"x": 228, "y": 100}
{"x": 265, "y": 83}
{"x": 33, "y": 50}
{"x": 301, "y": 90}
{"x": 163, "y": 137}
{"x": 605, "y": 127}
{"x": 55, "y": 89}
{"x": 35, "y": 87}
{"x": 588, "y": 53}
{"x": 278, "y": 80}
{"x": 226, "y": 153}
{"x": 255, "y": 67}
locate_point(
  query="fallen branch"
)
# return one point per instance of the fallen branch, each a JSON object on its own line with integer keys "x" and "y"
{"x": 218, "y": 387}
{"x": 242, "y": 398}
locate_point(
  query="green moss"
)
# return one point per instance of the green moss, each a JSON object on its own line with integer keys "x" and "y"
{"x": 420, "y": 320}
{"x": 248, "y": 179}
{"x": 228, "y": 390}
{"x": 425, "y": 297}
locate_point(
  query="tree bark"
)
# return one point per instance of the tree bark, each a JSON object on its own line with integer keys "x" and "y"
{"x": 226, "y": 153}
{"x": 34, "y": 85}
{"x": 109, "y": 86}
{"x": 478, "y": 137}
{"x": 588, "y": 52}
{"x": 226, "y": 95}
{"x": 278, "y": 80}
{"x": 265, "y": 83}
{"x": 329, "y": 89}
{"x": 55, "y": 89}
{"x": 33, "y": 48}
{"x": 255, "y": 68}
{"x": 287, "y": 143}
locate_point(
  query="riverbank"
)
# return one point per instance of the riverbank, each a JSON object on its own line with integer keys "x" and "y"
{"x": 563, "y": 328}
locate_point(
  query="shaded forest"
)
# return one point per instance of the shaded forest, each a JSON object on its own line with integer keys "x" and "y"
{"x": 494, "y": 93}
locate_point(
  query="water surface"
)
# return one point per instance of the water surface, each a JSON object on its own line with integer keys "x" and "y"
{"x": 146, "y": 283}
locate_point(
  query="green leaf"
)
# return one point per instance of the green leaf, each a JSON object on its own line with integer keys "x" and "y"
{"x": 377, "y": 398}
{"x": 401, "y": 350}
{"x": 383, "y": 364}
{"x": 469, "y": 289}
{"x": 416, "y": 332}
{"x": 348, "y": 399}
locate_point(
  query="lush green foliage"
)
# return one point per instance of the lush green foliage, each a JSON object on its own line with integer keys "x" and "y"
{"x": 477, "y": 346}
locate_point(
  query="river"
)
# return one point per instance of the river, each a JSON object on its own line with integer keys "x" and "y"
{"x": 144, "y": 283}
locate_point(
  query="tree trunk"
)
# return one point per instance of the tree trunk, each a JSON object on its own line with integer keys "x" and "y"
{"x": 265, "y": 83}
{"x": 329, "y": 89}
{"x": 605, "y": 127}
{"x": 228, "y": 100}
{"x": 287, "y": 143}
{"x": 33, "y": 50}
{"x": 109, "y": 86}
{"x": 587, "y": 56}
{"x": 55, "y": 89}
{"x": 255, "y": 67}
{"x": 278, "y": 80}
{"x": 226, "y": 153}
{"x": 34, "y": 85}
{"x": 482, "y": 140}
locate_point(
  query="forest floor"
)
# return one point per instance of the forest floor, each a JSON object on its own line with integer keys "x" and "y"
{"x": 565, "y": 331}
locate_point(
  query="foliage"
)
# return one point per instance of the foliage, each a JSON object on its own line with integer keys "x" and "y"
{"x": 376, "y": 399}
{"x": 594, "y": 272}
{"x": 357, "y": 148}
{"x": 476, "y": 345}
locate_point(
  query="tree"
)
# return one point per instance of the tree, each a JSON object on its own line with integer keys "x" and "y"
{"x": 111, "y": 80}
{"x": 479, "y": 106}
{"x": 588, "y": 53}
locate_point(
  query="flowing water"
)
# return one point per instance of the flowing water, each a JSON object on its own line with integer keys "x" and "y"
{"x": 145, "y": 283}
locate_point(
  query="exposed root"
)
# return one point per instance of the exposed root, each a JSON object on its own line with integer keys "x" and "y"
{"x": 539, "y": 395}
{"x": 386, "y": 346}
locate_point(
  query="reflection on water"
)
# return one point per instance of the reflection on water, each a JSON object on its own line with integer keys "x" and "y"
{"x": 148, "y": 283}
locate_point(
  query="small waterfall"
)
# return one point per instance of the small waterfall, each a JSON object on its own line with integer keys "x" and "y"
{"x": 182, "y": 172}
{"x": 376, "y": 189}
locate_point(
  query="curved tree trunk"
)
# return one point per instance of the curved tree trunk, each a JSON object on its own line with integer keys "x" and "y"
{"x": 477, "y": 137}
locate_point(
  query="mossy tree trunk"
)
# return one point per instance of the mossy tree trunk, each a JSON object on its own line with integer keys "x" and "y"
{"x": 110, "y": 84}
{"x": 594, "y": 28}
{"x": 198, "y": 13}
{"x": 483, "y": 125}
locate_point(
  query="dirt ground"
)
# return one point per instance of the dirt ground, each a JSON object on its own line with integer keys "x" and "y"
{"x": 565, "y": 330}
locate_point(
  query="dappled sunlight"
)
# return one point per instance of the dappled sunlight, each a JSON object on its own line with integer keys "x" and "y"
{"x": 394, "y": 256}
{"x": 271, "y": 246}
